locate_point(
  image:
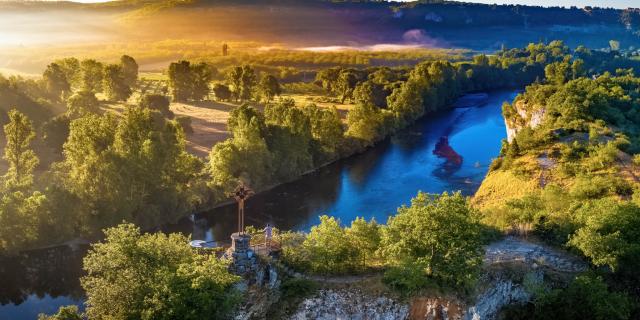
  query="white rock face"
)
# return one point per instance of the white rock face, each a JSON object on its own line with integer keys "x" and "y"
{"x": 531, "y": 118}
{"x": 350, "y": 305}
{"x": 489, "y": 303}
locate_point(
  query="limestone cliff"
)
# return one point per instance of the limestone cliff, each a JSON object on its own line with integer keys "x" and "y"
{"x": 520, "y": 115}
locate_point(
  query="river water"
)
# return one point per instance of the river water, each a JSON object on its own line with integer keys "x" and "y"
{"x": 370, "y": 185}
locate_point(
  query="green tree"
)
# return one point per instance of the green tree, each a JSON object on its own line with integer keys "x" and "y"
{"x": 326, "y": 128}
{"x": 19, "y": 213}
{"x": 129, "y": 70}
{"x": 248, "y": 82}
{"x": 22, "y": 159}
{"x": 330, "y": 250}
{"x": 82, "y": 103}
{"x": 592, "y": 296}
{"x": 180, "y": 80}
{"x": 368, "y": 92}
{"x": 346, "y": 84}
{"x": 155, "y": 276}
{"x": 221, "y": 92}
{"x": 55, "y": 81}
{"x": 365, "y": 123}
{"x": 438, "y": 234}
{"x": 157, "y": 102}
{"x": 365, "y": 236}
{"x": 201, "y": 75}
{"x": 610, "y": 236}
{"x": 245, "y": 157}
{"x": 234, "y": 78}
{"x": 328, "y": 78}
{"x": 92, "y": 75}
{"x": 289, "y": 139}
{"x": 269, "y": 87}
{"x": 114, "y": 83}
{"x": 64, "y": 313}
{"x": 134, "y": 168}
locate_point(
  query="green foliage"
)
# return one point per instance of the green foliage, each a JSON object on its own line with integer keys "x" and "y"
{"x": 134, "y": 168}
{"x": 326, "y": 129}
{"x": 244, "y": 157}
{"x": 586, "y": 297}
{"x": 189, "y": 81}
{"x": 129, "y": 70}
{"x": 609, "y": 235}
{"x": 114, "y": 83}
{"x": 22, "y": 159}
{"x": 55, "y": 132}
{"x": 289, "y": 139}
{"x": 330, "y": 249}
{"x": 64, "y": 313}
{"x": 221, "y": 92}
{"x": 438, "y": 234}
{"x": 155, "y": 276}
{"x": 407, "y": 277}
{"x": 91, "y": 75}
{"x": 56, "y": 81}
{"x": 365, "y": 123}
{"x": 269, "y": 87}
{"x": 157, "y": 102}
{"x": 81, "y": 103}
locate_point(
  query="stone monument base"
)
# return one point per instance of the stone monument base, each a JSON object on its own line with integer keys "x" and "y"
{"x": 243, "y": 259}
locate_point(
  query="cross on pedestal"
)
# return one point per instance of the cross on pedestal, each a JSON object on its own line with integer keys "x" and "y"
{"x": 241, "y": 194}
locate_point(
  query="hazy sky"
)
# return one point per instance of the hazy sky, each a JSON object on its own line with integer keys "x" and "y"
{"x": 567, "y": 3}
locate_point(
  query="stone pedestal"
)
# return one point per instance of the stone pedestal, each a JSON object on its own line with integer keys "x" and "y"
{"x": 243, "y": 258}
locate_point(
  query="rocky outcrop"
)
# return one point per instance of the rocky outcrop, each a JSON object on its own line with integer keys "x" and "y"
{"x": 501, "y": 294}
{"x": 427, "y": 308}
{"x": 350, "y": 304}
{"x": 532, "y": 255}
{"x": 520, "y": 115}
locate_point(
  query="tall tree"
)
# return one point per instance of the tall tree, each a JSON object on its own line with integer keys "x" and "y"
{"x": 114, "y": 84}
{"x": 269, "y": 87}
{"x": 180, "y": 80}
{"x": 56, "y": 81}
{"x": 234, "y": 77}
{"x": 82, "y": 103}
{"x": 92, "y": 74}
{"x": 249, "y": 80}
{"x": 439, "y": 235}
{"x": 129, "y": 70}
{"x": 22, "y": 159}
{"x": 201, "y": 75}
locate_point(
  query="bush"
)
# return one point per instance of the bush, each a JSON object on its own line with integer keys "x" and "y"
{"x": 408, "y": 277}
{"x": 185, "y": 123}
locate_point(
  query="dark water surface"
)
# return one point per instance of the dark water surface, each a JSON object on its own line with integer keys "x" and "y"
{"x": 371, "y": 185}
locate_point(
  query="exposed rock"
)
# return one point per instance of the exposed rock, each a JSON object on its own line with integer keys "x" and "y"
{"x": 515, "y": 250}
{"x": 350, "y": 304}
{"x": 524, "y": 116}
{"x": 427, "y": 308}
{"x": 501, "y": 294}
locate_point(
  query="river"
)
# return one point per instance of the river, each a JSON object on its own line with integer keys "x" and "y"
{"x": 370, "y": 185}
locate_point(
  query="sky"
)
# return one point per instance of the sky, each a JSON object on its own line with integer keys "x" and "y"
{"x": 567, "y": 3}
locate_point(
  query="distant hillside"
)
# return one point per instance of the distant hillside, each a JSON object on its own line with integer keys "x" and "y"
{"x": 316, "y": 22}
